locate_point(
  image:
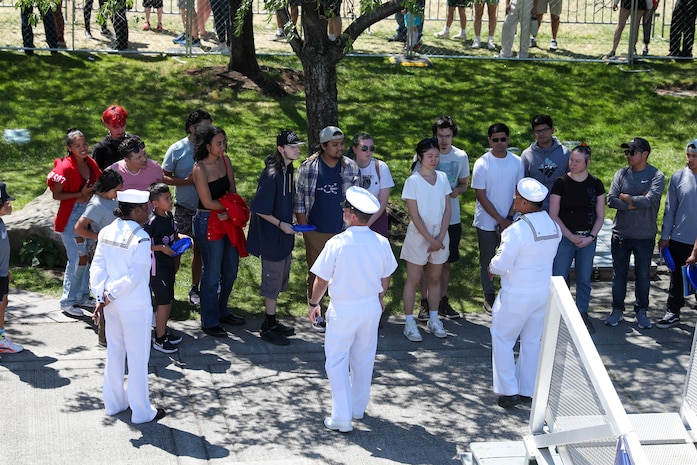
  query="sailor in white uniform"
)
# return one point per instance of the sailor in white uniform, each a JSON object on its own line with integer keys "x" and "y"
{"x": 120, "y": 277}
{"x": 524, "y": 262}
{"x": 356, "y": 266}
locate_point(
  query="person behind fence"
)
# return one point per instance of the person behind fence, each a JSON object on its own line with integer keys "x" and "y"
{"x": 524, "y": 262}
{"x": 321, "y": 183}
{"x": 356, "y": 303}
{"x": 577, "y": 204}
{"x": 271, "y": 236}
{"x": 646, "y": 23}
{"x": 450, "y": 17}
{"x": 214, "y": 178}
{"x": 87, "y": 16}
{"x": 106, "y": 151}
{"x": 119, "y": 279}
{"x": 280, "y": 34}
{"x": 99, "y": 214}
{"x": 636, "y": 195}
{"x": 149, "y": 5}
{"x": 6, "y": 344}
{"x": 679, "y": 231}
{"x": 546, "y": 159}
{"x": 177, "y": 168}
{"x": 625, "y": 13}
{"x": 72, "y": 181}
{"x": 375, "y": 177}
{"x": 516, "y": 11}
{"x": 555, "y": 8}
{"x": 163, "y": 234}
{"x": 426, "y": 245}
{"x": 120, "y": 22}
{"x": 682, "y": 28}
{"x": 494, "y": 177}
{"x": 491, "y": 7}
{"x": 28, "y": 30}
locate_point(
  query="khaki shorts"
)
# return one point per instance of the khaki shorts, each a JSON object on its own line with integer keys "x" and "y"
{"x": 554, "y": 7}
{"x": 415, "y": 249}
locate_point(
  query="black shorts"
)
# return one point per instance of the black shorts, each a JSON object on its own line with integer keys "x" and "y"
{"x": 162, "y": 284}
{"x": 4, "y": 286}
{"x": 455, "y": 234}
{"x": 152, "y": 3}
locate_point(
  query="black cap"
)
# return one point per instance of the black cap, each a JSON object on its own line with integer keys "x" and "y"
{"x": 4, "y": 196}
{"x": 287, "y": 137}
{"x": 637, "y": 143}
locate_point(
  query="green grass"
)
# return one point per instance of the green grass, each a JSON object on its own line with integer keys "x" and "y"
{"x": 599, "y": 104}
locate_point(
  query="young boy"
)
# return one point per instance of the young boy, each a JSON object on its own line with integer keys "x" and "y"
{"x": 161, "y": 228}
{"x": 6, "y": 345}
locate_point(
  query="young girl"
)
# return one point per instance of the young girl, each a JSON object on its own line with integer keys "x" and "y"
{"x": 99, "y": 214}
{"x": 72, "y": 182}
{"x": 426, "y": 193}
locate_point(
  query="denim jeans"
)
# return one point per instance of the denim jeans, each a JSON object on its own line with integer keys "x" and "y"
{"x": 488, "y": 241}
{"x": 220, "y": 262}
{"x": 76, "y": 285}
{"x": 622, "y": 248}
{"x": 680, "y": 252}
{"x": 583, "y": 268}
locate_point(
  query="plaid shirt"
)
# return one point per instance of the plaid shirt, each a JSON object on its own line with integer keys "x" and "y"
{"x": 306, "y": 181}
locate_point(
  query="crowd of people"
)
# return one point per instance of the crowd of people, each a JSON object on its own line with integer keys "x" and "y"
{"x": 535, "y": 215}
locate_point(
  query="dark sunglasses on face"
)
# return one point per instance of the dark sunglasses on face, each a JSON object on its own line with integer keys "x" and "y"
{"x": 138, "y": 148}
{"x": 630, "y": 153}
{"x": 499, "y": 139}
{"x": 365, "y": 148}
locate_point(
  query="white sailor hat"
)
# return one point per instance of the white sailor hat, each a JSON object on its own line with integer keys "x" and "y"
{"x": 531, "y": 189}
{"x": 133, "y": 196}
{"x": 361, "y": 200}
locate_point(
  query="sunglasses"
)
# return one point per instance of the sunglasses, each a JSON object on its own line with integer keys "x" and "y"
{"x": 138, "y": 147}
{"x": 630, "y": 153}
{"x": 499, "y": 139}
{"x": 365, "y": 148}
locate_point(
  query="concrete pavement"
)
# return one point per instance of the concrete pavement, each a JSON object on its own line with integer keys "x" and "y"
{"x": 244, "y": 400}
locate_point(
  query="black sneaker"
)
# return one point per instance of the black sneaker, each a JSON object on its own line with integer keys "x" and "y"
{"x": 215, "y": 331}
{"x": 274, "y": 336}
{"x": 285, "y": 330}
{"x": 233, "y": 320}
{"x": 508, "y": 401}
{"x": 446, "y": 310}
{"x": 527, "y": 400}
{"x": 669, "y": 320}
{"x": 489, "y": 300}
{"x": 423, "y": 311}
{"x": 172, "y": 337}
{"x": 164, "y": 346}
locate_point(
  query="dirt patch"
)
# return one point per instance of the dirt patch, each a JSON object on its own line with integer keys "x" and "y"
{"x": 272, "y": 80}
{"x": 678, "y": 90}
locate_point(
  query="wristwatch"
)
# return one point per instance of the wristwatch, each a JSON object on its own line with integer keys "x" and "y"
{"x": 313, "y": 305}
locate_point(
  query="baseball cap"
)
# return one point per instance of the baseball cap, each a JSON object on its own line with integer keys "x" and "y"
{"x": 4, "y": 196}
{"x": 637, "y": 143}
{"x": 330, "y": 133}
{"x": 531, "y": 189}
{"x": 133, "y": 196}
{"x": 361, "y": 200}
{"x": 693, "y": 150}
{"x": 287, "y": 137}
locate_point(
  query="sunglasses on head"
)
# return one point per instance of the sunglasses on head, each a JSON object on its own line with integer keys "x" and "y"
{"x": 365, "y": 148}
{"x": 138, "y": 147}
{"x": 499, "y": 139}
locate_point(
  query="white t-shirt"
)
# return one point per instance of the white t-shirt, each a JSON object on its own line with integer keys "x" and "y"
{"x": 369, "y": 178}
{"x": 455, "y": 165}
{"x": 499, "y": 177}
{"x": 430, "y": 199}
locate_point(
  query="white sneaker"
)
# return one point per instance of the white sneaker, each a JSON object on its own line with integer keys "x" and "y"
{"x": 460, "y": 36}
{"x": 476, "y": 43}
{"x": 442, "y": 35}
{"x": 553, "y": 45}
{"x": 278, "y": 37}
{"x": 7, "y": 346}
{"x": 492, "y": 45}
{"x": 412, "y": 332}
{"x": 341, "y": 426}
{"x": 223, "y": 50}
{"x": 436, "y": 328}
{"x": 72, "y": 310}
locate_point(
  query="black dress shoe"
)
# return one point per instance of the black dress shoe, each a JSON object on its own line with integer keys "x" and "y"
{"x": 527, "y": 400}
{"x": 215, "y": 331}
{"x": 509, "y": 401}
{"x": 233, "y": 320}
{"x": 161, "y": 413}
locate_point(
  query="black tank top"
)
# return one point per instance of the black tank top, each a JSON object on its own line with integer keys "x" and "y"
{"x": 218, "y": 188}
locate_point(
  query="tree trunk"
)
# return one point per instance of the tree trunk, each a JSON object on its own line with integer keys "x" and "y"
{"x": 243, "y": 56}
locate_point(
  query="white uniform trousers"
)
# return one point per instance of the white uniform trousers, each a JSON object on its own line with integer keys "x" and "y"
{"x": 521, "y": 10}
{"x": 350, "y": 344}
{"x": 516, "y": 314}
{"x": 128, "y": 335}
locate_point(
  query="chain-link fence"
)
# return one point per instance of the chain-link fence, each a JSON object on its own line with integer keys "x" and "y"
{"x": 564, "y": 29}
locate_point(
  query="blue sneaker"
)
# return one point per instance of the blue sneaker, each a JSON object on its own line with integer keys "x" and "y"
{"x": 615, "y": 317}
{"x": 642, "y": 320}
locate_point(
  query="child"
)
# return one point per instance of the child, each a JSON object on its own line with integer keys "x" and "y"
{"x": 163, "y": 231}
{"x": 6, "y": 345}
{"x": 427, "y": 194}
{"x": 98, "y": 214}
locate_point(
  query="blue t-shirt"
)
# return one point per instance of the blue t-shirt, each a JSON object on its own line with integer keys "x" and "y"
{"x": 179, "y": 160}
{"x": 326, "y": 213}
